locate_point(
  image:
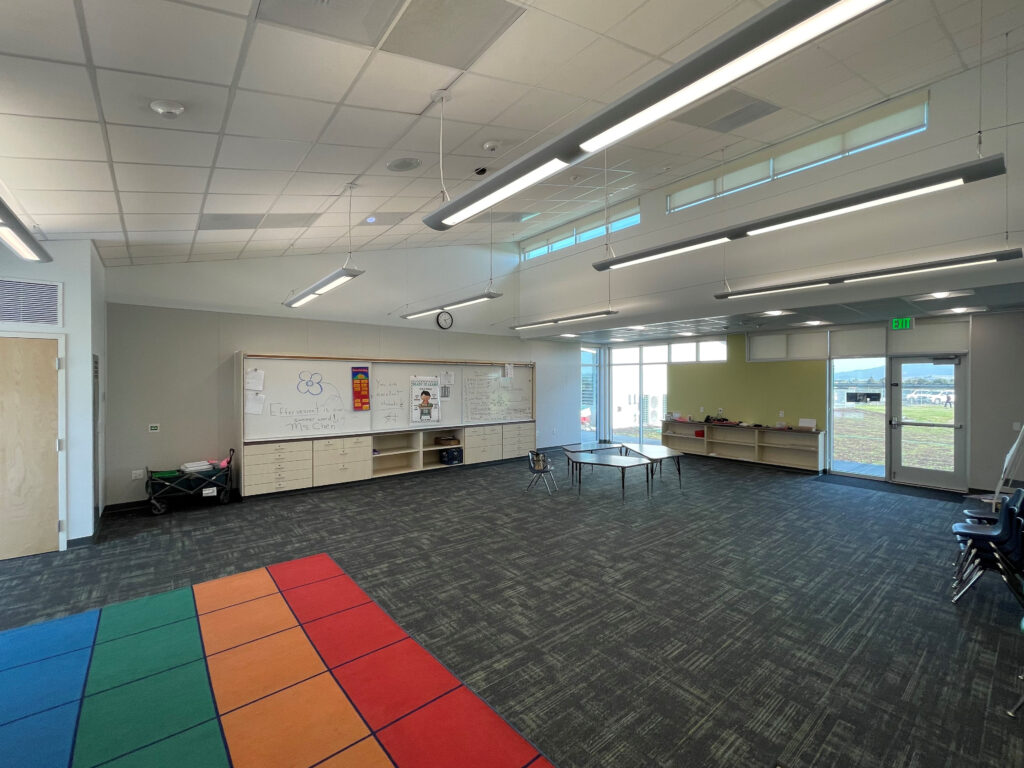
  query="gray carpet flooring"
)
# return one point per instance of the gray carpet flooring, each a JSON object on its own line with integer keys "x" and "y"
{"x": 756, "y": 617}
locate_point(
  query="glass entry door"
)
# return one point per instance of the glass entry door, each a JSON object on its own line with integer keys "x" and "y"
{"x": 927, "y": 432}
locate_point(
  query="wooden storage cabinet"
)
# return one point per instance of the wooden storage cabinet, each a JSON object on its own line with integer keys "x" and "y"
{"x": 482, "y": 444}
{"x": 795, "y": 449}
{"x": 342, "y": 460}
{"x": 271, "y": 467}
{"x": 518, "y": 440}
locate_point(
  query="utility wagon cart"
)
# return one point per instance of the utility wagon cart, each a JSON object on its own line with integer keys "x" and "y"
{"x": 164, "y": 485}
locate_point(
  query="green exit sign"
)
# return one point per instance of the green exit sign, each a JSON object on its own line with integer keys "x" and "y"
{"x": 902, "y": 323}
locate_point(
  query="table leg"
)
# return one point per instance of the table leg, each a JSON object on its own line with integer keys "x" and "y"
{"x": 623, "y": 470}
{"x": 579, "y": 479}
{"x": 679, "y": 472}
{"x": 650, "y": 479}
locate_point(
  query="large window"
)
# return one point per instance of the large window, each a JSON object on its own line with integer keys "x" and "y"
{"x": 823, "y": 146}
{"x": 639, "y": 389}
{"x": 620, "y": 216}
{"x": 588, "y": 394}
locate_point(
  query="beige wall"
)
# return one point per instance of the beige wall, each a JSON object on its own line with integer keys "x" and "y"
{"x": 175, "y": 368}
{"x": 997, "y": 392}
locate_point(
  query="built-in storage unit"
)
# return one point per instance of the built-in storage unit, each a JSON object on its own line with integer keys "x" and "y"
{"x": 796, "y": 449}
{"x": 296, "y": 464}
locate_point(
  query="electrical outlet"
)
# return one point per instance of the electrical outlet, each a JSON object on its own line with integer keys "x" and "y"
{"x": 154, "y": 428}
{"x": 782, "y": 414}
{"x": 702, "y": 409}
{"x": 721, "y": 411}
{"x": 1016, "y": 426}
{"x": 138, "y": 474}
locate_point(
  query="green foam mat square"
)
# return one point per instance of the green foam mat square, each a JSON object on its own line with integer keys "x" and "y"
{"x": 199, "y": 747}
{"x": 145, "y": 613}
{"x": 123, "y": 719}
{"x": 145, "y": 653}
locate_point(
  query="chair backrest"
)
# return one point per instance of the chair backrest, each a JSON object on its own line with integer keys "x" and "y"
{"x": 538, "y": 461}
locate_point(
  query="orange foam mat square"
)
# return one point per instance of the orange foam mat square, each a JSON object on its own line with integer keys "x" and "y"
{"x": 322, "y": 598}
{"x": 298, "y": 726}
{"x": 253, "y": 670}
{"x": 245, "y": 622}
{"x": 391, "y": 682}
{"x": 306, "y": 570}
{"x": 364, "y": 754}
{"x": 456, "y": 731}
{"x": 344, "y": 636}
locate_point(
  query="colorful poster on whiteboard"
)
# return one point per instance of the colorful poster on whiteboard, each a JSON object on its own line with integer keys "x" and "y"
{"x": 426, "y": 399}
{"x": 360, "y": 388}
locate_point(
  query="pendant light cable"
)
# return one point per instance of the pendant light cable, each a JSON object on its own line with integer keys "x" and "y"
{"x": 981, "y": 62}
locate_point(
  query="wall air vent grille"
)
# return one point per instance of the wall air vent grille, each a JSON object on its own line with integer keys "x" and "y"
{"x": 23, "y": 301}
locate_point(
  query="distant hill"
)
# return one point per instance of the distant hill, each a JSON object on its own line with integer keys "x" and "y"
{"x": 912, "y": 371}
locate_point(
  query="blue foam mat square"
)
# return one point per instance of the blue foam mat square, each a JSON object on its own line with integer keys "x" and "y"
{"x": 49, "y": 638}
{"x": 40, "y": 741}
{"x": 31, "y": 688}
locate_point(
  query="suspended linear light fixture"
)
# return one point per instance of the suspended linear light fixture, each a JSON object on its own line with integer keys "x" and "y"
{"x": 18, "y": 238}
{"x": 947, "y": 178}
{"x": 485, "y": 296}
{"x": 334, "y": 279}
{"x": 773, "y": 32}
{"x": 568, "y": 319}
{"x": 878, "y": 274}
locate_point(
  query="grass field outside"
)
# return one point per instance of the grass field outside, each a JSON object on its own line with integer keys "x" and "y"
{"x": 860, "y": 432}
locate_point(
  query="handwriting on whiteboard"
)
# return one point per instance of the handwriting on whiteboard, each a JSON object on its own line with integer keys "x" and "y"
{"x": 389, "y": 401}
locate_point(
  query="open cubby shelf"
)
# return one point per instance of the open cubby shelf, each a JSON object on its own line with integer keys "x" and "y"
{"x": 796, "y": 449}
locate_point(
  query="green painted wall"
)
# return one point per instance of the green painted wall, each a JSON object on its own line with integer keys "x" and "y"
{"x": 750, "y": 392}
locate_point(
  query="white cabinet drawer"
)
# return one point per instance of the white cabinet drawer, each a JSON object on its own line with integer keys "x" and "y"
{"x": 329, "y": 444}
{"x": 342, "y": 455}
{"x": 329, "y": 474}
{"x": 263, "y": 449}
{"x": 519, "y": 431}
{"x": 361, "y": 441}
{"x": 302, "y": 472}
{"x": 516, "y": 450}
{"x": 254, "y": 489}
{"x": 482, "y": 453}
{"x": 482, "y": 436}
{"x": 276, "y": 465}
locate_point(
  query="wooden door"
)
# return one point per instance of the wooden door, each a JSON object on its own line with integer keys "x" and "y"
{"x": 29, "y": 509}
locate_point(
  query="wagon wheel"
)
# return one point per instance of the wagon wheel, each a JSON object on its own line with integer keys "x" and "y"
{"x": 225, "y": 496}
{"x": 157, "y": 507}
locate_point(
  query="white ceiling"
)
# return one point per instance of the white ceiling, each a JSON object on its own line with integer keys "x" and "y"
{"x": 278, "y": 120}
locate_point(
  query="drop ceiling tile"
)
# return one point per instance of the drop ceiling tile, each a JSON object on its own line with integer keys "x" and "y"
{"x": 424, "y": 187}
{"x": 164, "y": 249}
{"x": 46, "y": 89}
{"x": 114, "y": 252}
{"x": 44, "y": 28}
{"x": 358, "y": 21}
{"x": 160, "y": 221}
{"x": 49, "y": 138}
{"x": 532, "y": 48}
{"x": 507, "y": 140}
{"x": 457, "y": 167}
{"x": 160, "y": 202}
{"x": 151, "y": 36}
{"x": 238, "y": 203}
{"x": 659, "y": 25}
{"x": 261, "y": 154}
{"x": 232, "y": 246}
{"x": 238, "y": 222}
{"x": 923, "y": 74}
{"x": 112, "y": 262}
{"x": 726, "y": 21}
{"x": 141, "y": 261}
{"x": 332, "y": 158}
{"x": 126, "y": 98}
{"x": 78, "y": 235}
{"x": 231, "y": 6}
{"x": 427, "y": 160}
{"x": 276, "y": 245}
{"x": 277, "y": 117}
{"x": 155, "y": 145}
{"x": 886, "y": 22}
{"x": 479, "y": 99}
{"x": 425, "y": 135}
{"x": 367, "y": 127}
{"x": 159, "y": 178}
{"x": 220, "y": 256}
{"x": 209, "y": 237}
{"x": 598, "y": 15}
{"x": 18, "y": 173}
{"x": 399, "y": 83}
{"x": 109, "y": 222}
{"x": 300, "y": 64}
{"x": 403, "y": 204}
{"x": 378, "y": 186}
{"x": 449, "y": 33}
{"x": 301, "y": 204}
{"x": 634, "y": 80}
{"x": 317, "y": 184}
{"x": 248, "y": 182}
{"x": 588, "y": 73}
{"x": 776, "y": 126}
{"x": 68, "y": 202}
{"x": 324, "y": 233}
{"x": 287, "y": 235}
{"x": 315, "y": 243}
{"x": 538, "y": 109}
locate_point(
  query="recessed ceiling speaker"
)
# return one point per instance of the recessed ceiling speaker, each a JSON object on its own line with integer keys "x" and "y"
{"x": 403, "y": 164}
{"x": 167, "y": 109}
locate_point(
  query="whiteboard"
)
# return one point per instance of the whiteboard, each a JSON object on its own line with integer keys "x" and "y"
{"x": 312, "y": 397}
{"x": 487, "y": 396}
{"x": 303, "y": 398}
{"x": 391, "y": 394}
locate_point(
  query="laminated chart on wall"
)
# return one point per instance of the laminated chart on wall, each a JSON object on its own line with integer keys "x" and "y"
{"x": 288, "y": 665}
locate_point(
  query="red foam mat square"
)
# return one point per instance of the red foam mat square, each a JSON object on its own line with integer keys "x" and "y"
{"x": 346, "y": 635}
{"x": 295, "y": 573}
{"x": 322, "y": 598}
{"x": 394, "y": 681}
{"x": 455, "y": 731}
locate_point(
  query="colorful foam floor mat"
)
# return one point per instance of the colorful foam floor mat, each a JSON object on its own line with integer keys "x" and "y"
{"x": 288, "y": 665}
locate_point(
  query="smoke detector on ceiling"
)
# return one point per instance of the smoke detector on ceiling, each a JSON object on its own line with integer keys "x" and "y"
{"x": 167, "y": 109}
{"x": 491, "y": 146}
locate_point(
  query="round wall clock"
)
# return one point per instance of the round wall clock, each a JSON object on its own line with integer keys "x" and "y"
{"x": 444, "y": 320}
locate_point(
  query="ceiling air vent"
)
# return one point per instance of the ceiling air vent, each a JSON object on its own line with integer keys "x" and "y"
{"x": 30, "y": 302}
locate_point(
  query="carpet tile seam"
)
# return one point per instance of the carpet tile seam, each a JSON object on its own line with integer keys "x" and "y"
{"x": 315, "y": 581}
{"x": 370, "y": 653}
{"x": 151, "y": 743}
{"x": 144, "y": 677}
{"x": 265, "y": 696}
{"x": 336, "y": 681}
{"x": 345, "y": 749}
{"x": 233, "y": 605}
{"x": 143, "y": 631}
{"x": 335, "y": 613}
{"x": 38, "y": 712}
{"x": 46, "y": 658}
{"x": 209, "y": 683}
{"x": 424, "y": 705}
